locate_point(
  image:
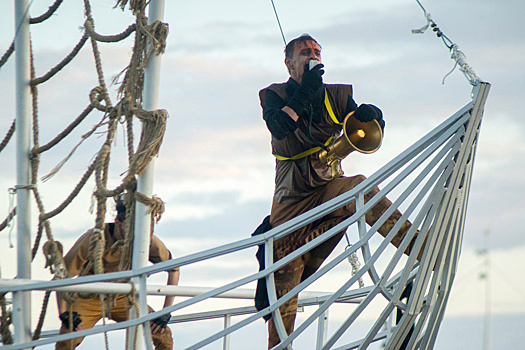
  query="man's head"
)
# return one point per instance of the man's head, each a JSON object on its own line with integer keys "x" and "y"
{"x": 299, "y": 52}
{"x": 121, "y": 209}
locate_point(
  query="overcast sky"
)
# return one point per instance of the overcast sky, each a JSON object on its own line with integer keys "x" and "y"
{"x": 215, "y": 170}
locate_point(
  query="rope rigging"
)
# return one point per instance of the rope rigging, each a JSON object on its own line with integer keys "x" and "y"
{"x": 149, "y": 40}
{"x": 457, "y": 55}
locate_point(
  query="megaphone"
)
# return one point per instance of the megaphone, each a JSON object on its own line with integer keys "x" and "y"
{"x": 364, "y": 137}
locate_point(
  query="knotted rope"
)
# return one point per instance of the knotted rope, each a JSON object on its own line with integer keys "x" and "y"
{"x": 153, "y": 129}
{"x": 458, "y": 56}
{"x": 132, "y": 303}
{"x": 5, "y": 321}
{"x": 8, "y": 136}
{"x": 149, "y": 40}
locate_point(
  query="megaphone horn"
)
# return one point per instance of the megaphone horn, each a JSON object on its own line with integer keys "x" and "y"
{"x": 364, "y": 137}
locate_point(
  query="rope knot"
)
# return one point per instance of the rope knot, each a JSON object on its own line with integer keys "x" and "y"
{"x": 53, "y": 252}
{"x": 155, "y": 203}
{"x": 97, "y": 95}
{"x": 153, "y": 129}
{"x": 158, "y": 34}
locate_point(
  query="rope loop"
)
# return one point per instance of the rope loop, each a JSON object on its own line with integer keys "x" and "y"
{"x": 97, "y": 95}
{"x": 53, "y": 252}
{"x": 153, "y": 129}
{"x": 155, "y": 203}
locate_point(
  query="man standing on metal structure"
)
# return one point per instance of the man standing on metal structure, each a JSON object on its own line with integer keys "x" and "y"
{"x": 87, "y": 312}
{"x": 303, "y": 115}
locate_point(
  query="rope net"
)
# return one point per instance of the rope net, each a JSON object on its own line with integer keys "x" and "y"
{"x": 149, "y": 40}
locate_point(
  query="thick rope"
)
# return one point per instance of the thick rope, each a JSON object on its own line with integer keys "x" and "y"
{"x": 62, "y": 135}
{"x": 132, "y": 84}
{"x": 72, "y": 195}
{"x": 155, "y": 203}
{"x": 5, "y": 321}
{"x": 130, "y": 137}
{"x": 127, "y": 249}
{"x": 96, "y": 55}
{"x": 150, "y": 39}
{"x": 53, "y": 251}
{"x": 88, "y": 26}
{"x": 35, "y": 161}
{"x": 83, "y": 138}
{"x": 153, "y": 129}
{"x": 8, "y": 219}
{"x": 156, "y": 208}
{"x": 41, "y": 318}
{"x": 52, "y": 9}
{"x": 62, "y": 63}
{"x": 7, "y": 54}
{"x": 132, "y": 303}
{"x": 157, "y": 33}
{"x": 96, "y": 249}
{"x": 136, "y": 6}
{"x": 8, "y": 136}
{"x": 35, "y": 20}
{"x": 103, "y": 315}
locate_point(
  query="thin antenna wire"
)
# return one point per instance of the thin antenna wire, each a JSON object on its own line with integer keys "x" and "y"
{"x": 278, "y": 22}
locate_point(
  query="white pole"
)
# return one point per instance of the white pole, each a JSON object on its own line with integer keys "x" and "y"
{"x": 145, "y": 180}
{"x": 487, "y": 276}
{"x": 22, "y": 300}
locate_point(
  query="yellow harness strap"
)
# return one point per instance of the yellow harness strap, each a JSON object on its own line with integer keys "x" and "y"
{"x": 315, "y": 149}
{"x": 329, "y": 108}
{"x": 305, "y": 153}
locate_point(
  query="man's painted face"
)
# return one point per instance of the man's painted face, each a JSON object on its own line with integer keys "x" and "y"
{"x": 303, "y": 53}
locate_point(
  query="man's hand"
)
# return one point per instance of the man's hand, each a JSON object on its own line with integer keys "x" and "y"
{"x": 311, "y": 83}
{"x": 312, "y": 80}
{"x": 159, "y": 324}
{"x": 64, "y": 317}
{"x": 367, "y": 113}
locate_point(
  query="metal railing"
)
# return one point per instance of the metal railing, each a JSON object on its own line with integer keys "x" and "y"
{"x": 430, "y": 182}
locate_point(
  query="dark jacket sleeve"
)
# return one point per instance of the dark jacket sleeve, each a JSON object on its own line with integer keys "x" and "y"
{"x": 350, "y": 105}
{"x": 278, "y": 122}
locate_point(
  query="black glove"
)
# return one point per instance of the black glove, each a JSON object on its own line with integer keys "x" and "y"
{"x": 64, "y": 317}
{"x": 312, "y": 78}
{"x": 366, "y": 113}
{"x": 162, "y": 320}
{"x": 312, "y": 82}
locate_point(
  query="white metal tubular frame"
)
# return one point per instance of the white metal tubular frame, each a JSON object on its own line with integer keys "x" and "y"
{"x": 434, "y": 175}
{"x": 370, "y": 262}
{"x": 22, "y": 301}
{"x": 145, "y": 186}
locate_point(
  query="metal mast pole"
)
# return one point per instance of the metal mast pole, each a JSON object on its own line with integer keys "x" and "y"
{"x": 145, "y": 180}
{"x": 487, "y": 276}
{"x": 22, "y": 300}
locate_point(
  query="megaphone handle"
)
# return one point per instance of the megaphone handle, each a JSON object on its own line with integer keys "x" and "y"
{"x": 337, "y": 171}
